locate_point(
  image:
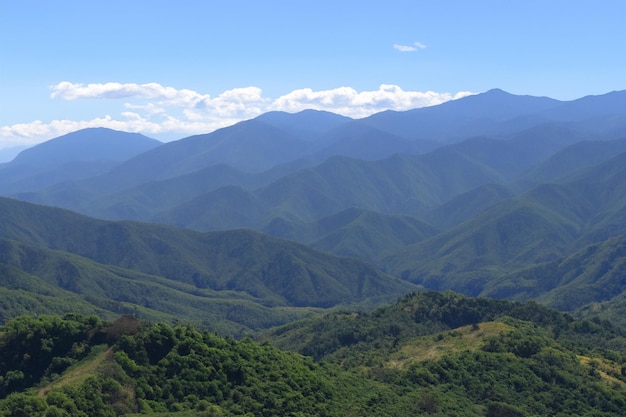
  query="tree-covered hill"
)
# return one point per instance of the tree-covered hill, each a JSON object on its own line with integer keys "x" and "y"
{"x": 494, "y": 357}
{"x": 354, "y": 232}
{"x": 428, "y": 354}
{"x": 239, "y": 276}
{"x": 42, "y": 281}
{"x": 537, "y": 228}
{"x": 593, "y": 274}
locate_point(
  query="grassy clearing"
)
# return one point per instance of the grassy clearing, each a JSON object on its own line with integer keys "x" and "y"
{"x": 79, "y": 372}
{"x": 605, "y": 368}
{"x": 444, "y": 343}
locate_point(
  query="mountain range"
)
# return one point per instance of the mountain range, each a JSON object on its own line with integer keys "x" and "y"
{"x": 492, "y": 195}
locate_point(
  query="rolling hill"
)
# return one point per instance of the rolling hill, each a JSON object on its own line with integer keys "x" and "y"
{"x": 355, "y": 233}
{"x": 109, "y": 263}
{"x": 537, "y": 230}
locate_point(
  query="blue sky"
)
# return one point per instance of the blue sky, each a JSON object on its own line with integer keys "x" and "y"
{"x": 170, "y": 69}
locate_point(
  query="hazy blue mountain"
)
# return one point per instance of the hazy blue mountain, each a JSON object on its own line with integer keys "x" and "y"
{"x": 228, "y": 207}
{"x": 146, "y": 200}
{"x": 468, "y": 205}
{"x": 410, "y": 184}
{"x": 278, "y": 144}
{"x": 513, "y": 155}
{"x": 590, "y": 107}
{"x": 8, "y": 154}
{"x": 573, "y": 158}
{"x": 353, "y": 232}
{"x": 496, "y": 113}
{"x": 401, "y": 184}
{"x": 77, "y": 155}
{"x": 251, "y": 146}
{"x": 309, "y": 125}
{"x": 92, "y": 144}
{"x": 363, "y": 142}
{"x": 460, "y": 119}
{"x": 16, "y": 180}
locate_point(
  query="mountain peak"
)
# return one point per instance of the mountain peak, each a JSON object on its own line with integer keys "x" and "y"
{"x": 305, "y": 123}
{"x": 499, "y": 91}
{"x": 90, "y": 144}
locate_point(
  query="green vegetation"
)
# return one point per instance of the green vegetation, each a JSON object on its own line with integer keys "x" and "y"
{"x": 233, "y": 282}
{"x": 436, "y": 354}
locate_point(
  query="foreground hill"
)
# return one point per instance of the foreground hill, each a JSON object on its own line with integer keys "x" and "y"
{"x": 428, "y": 354}
{"x": 517, "y": 359}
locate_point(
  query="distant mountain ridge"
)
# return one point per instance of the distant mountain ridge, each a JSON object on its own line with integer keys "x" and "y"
{"x": 91, "y": 144}
{"x": 71, "y": 157}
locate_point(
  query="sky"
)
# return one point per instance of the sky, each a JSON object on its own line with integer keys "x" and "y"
{"x": 170, "y": 69}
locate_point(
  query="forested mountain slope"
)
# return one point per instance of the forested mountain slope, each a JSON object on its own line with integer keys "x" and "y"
{"x": 537, "y": 228}
{"x": 136, "y": 264}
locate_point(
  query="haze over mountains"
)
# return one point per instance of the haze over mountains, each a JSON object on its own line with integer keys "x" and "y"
{"x": 494, "y": 194}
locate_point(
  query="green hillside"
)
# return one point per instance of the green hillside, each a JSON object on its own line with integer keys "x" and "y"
{"x": 399, "y": 184}
{"x": 573, "y": 158}
{"x": 355, "y": 232}
{"x": 591, "y": 275}
{"x": 472, "y": 356}
{"x": 235, "y": 280}
{"x": 146, "y": 200}
{"x": 468, "y": 205}
{"x": 41, "y": 281}
{"x": 511, "y": 248}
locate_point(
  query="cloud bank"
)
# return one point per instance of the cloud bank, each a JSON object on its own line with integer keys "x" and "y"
{"x": 154, "y": 109}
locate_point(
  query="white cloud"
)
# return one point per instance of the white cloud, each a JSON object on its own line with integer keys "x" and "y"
{"x": 150, "y": 91}
{"x": 404, "y": 48}
{"x": 163, "y": 111}
{"x": 409, "y": 48}
{"x": 348, "y": 102}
